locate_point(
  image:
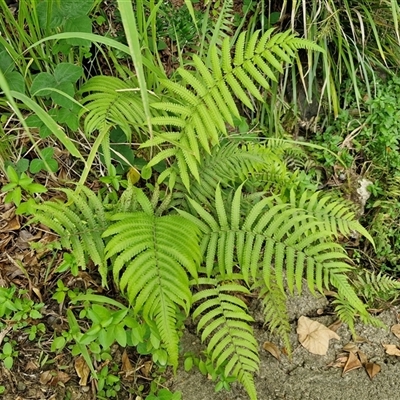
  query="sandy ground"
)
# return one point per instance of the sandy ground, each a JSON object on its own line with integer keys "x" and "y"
{"x": 308, "y": 376}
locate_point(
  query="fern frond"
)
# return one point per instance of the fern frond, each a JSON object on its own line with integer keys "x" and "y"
{"x": 374, "y": 287}
{"x": 111, "y": 102}
{"x": 336, "y": 214}
{"x": 152, "y": 257}
{"x": 276, "y": 316}
{"x": 228, "y": 164}
{"x": 281, "y": 243}
{"x": 221, "y": 29}
{"x": 200, "y": 113}
{"x": 79, "y": 224}
{"x": 224, "y": 322}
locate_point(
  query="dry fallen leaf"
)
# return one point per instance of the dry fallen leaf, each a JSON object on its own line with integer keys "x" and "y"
{"x": 340, "y": 361}
{"x": 363, "y": 358}
{"x": 82, "y": 370}
{"x": 126, "y": 364}
{"x": 272, "y": 349}
{"x": 352, "y": 363}
{"x": 12, "y": 225}
{"x": 350, "y": 347}
{"x": 31, "y": 366}
{"x": 335, "y": 326}
{"x": 372, "y": 369}
{"x": 360, "y": 339}
{"x": 54, "y": 378}
{"x": 46, "y": 377}
{"x": 396, "y": 330}
{"x": 314, "y": 336}
{"x": 146, "y": 368}
{"x": 392, "y": 350}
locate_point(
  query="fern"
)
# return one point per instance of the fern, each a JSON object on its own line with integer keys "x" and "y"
{"x": 200, "y": 116}
{"x": 79, "y": 223}
{"x": 268, "y": 246}
{"x": 374, "y": 287}
{"x": 276, "y": 315}
{"x": 221, "y": 29}
{"x": 107, "y": 103}
{"x": 224, "y": 322}
{"x": 335, "y": 214}
{"x": 228, "y": 164}
{"x": 278, "y": 241}
{"x": 151, "y": 258}
{"x": 106, "y": 107}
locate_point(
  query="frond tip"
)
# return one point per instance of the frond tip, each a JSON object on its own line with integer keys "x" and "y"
{"x": 224, "y": 323}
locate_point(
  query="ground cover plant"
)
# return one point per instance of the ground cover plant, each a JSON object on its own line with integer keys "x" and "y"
{"x": 169, "y": 192}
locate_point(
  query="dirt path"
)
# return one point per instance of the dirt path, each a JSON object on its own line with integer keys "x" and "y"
{"x": 308, "y": 376}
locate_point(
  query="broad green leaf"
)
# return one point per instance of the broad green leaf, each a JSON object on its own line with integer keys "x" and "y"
{"x": 12, "y": 174}
{"x": 8, "y": 362}
{"x": 66, "y": 72}
{"x": 41, "y": 83}
{"x": 15, "y": 81}
{"x": 62, "y": 100}
{"x": 49, "y": 122}
{"x": 80, "y": 24}
{"x": 6, "y": 62}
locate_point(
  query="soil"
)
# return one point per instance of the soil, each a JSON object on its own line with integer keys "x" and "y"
{"x": 308, "y": 376}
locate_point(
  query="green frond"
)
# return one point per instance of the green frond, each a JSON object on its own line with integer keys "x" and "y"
{"x": 335, "y": 214}
{"x": 172, "y": 121}
{"x": 275, "y": 311}
{"x": 375, "y": 287}
{"x": 224, "y": 323}
{"x": 152, "y": 257}
{"x": 108, "y": 103}
{"x": 210, "y": 102}
{"x": 181, "y": 91}
{"x": 276, "y": 241}
{"x": 346, "y": 291}
{"x": 239, "y": 49}
{"x": 79, "y": 224}
{"x": 227, "y": 164}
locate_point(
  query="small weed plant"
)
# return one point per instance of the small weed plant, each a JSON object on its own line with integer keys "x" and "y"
{"x": 370, "y": 143}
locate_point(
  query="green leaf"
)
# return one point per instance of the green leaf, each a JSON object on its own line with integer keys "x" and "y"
{"x": 41, "y": 83}
{"x": 12, "y": 174}
{"x": 7, "y": 349}
{"x": 36, "y": 166}
{"x": 69, "y": 117}
{"x": 16, "y": 81}
{"x": 35, "y": 314}
{"x": 58, "y": 343}
{"x": 66, "y": 72}
{"x": 79, "y": 24}
{"x": 6, "y": 62}
{"x": 120, "y": 335}
{"x": 36, "y": 188}
{"x": 47, "y": 153}
{"x": 146, "y": 172}
{"x": 8, "y": 362}
{"x": 49, "y": 122}
{"x": 188, "y": 364}
{"x": 53, "y": 165}
{"x": 16, "y": 196}
{"x": 8, "y": 187}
